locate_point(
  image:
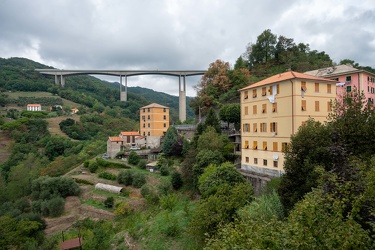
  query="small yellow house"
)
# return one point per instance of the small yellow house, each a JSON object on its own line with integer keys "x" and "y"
{"x": 272, "y": 110}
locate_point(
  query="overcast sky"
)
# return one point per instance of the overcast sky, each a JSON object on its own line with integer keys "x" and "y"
{"x": 177, "y": 34}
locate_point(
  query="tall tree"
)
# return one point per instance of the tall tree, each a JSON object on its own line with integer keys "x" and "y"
{"x": 264, "y": 48}
{"x": 230, "y": 113}
{"x": 169, "y": 139}
{"x": 213, "y": 83}
{"x": 212, "y": 121}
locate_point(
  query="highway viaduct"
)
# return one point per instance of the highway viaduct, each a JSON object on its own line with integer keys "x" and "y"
{"x": 61, "y": 74}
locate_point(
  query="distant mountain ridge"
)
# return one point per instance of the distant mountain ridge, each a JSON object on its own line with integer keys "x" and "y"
{"x": 18, "y": 74}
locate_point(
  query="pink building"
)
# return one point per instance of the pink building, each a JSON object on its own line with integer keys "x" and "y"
{"x": 349, "y": 78}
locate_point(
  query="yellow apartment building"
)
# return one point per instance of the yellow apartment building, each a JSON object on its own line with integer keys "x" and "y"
{"x": 271, "y": 111}
{"x": 154, "y": 120}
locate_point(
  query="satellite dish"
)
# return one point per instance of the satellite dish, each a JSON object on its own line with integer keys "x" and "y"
{"x": 275, "y": 157}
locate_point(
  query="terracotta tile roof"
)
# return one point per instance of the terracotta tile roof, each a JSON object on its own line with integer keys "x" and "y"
{"x": 129, "y": 133}
{"x": 115, "y": 138}
{"x": 286, "y": 76}
{"x": 154, "y": 105}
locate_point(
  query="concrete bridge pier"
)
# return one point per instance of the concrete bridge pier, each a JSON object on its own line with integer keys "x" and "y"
{"x": 59, "y": 80}
{"x": 124, "y": 93}
{"x": 182, "y": 98}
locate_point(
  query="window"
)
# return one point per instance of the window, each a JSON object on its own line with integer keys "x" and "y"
{"x": 370, "y": 101}
{"x": 348, "y": 79}
{"x": 264, "y": 108}
{"x": 144, "y": 133}
{"x": 148, "y": 133}
{"x": 246, "y": 144}
{"x": 254, "y": 109}
{"x": 263, "y": 127}
{"x": 148, "y": 125}
{"x": 348, "y": 88}
{"x": 143, "y": 117}
{"x": 372, "y": 90}
{"x": 274, "y": 146}
{"x": 303, "y": 105}
{"x": 264, "y": 91}
{"x": 317, "y": 87}
{"x": 148, "y": 109}
{"x": 275, "y": 164}
{"x": 164, "y": 110}
{"x": 283, "y": 146}
{"x": 273, "y": 127}
{"x": 246, "y": 95}
{"x": 368, "y": 89}
{"x": 246, "y": 110}
{"x": 264, "y": 145}
{"x": 317, "y": 106}
{"x": 329, "y": 88}
{"x": 255, "y": 127}
{"x": 264, "y": 162}
{"x": 329, "y": 106}
{"x": 165, "y": 125}
{"x": 254, "y": 93}
{"x": 255, "y": 160}
{"x": 277, "y": 89}
{"x": 255, "y": 145}
{"x": 247, "y": 159}
{"x": 335, "y": 79}
{"x": 148, "y": 117}
{"x": 246, "y": 127}
{"x": 165, "y": 117}
{"x": 303, "y": 86}
{"x": 271, "y": 92}
{"x": 144, "y": 125}
{"x": 274, "y": 107}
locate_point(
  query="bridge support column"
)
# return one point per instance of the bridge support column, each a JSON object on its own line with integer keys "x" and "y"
{"x": 124, "y": 94}
{"x": 59, "y": 80}
{"x": 182, "y": 99}
{"x": 62, "y": 81}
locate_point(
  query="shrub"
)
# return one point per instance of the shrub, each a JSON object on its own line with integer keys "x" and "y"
{"x": 107, "y": 175}
{"x": 109, "y": 202}
{"x": 83, "y": 181}
{"x": 86, "y": 164}
{"x": 139, "y": 180}
{"x": 123, "y": 209}
{"x": 165, "y": 187}
{"x": 93, "y": 167}
{"x": 142, "y": 164}
{"x": 125, "y": 177}
{"x": 164, "y": 171}
{"x": 134, "y": 158}
{"x": 45, "y": 188}
{"x": 176, "y": 180}
{"x": 53, "y": 207}
{"x": 168, "y": 202}
{"x": 150, "y": 195}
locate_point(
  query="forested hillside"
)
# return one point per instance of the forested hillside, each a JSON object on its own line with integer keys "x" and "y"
{"x": 18, "y": 74}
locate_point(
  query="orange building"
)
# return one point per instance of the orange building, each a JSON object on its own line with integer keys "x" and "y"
{"x": 154, "y": 120}
{"x": 271, "y": 111}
